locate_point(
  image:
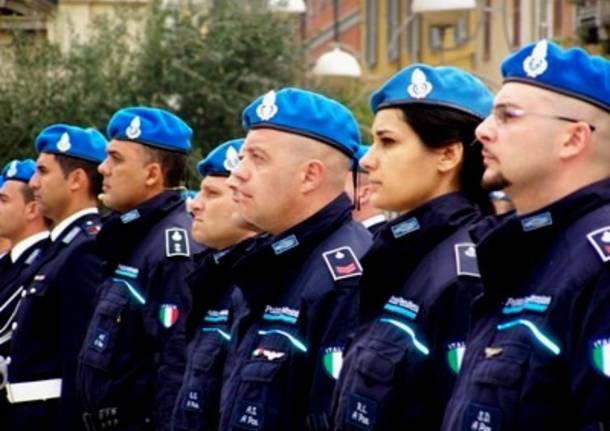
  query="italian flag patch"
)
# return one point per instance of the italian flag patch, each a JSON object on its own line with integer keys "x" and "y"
{"x": 168, "y": 315}
{"x": 601, "y": 356}
{"x": 332, "y": 359}
{"x": 455, "y": 354}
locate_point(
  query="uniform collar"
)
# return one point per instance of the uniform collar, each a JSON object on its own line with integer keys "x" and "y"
{"x": 63, "y": 225}
{"x": 372, "y": 221}
{"x": 123, "y": 231}
{"x": 521, "y": 239}
{"x": 277, "y": 258}
{"x": 22, "y": 246}
{"x": 401, "y": 245}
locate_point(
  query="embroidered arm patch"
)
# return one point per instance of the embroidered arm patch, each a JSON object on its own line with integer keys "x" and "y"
{"x": 342, "y": 263}
{"x": 466, "y": 259}
{"x": 600, "y": 240}
{"x": 176, "y": 242}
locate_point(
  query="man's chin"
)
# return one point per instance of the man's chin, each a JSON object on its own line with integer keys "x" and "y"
{"x": 494, "y": 181}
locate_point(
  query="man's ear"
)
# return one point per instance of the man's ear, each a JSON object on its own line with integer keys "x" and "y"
{"x": 312, "y": 175}
{"x": 576, "y": 139}
{"x": 154, "y": 175}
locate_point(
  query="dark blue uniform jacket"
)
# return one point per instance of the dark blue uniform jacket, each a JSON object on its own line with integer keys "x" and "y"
{"x": 420, "y": 278}
{"x": 301, "y": 293}
{"x": 197, "y": 406}
{"x": 536, "y": 358}
{"x": 132, "y": 361}
{"x": 50, "y": 325}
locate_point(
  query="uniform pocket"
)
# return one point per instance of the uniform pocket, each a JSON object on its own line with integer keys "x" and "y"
{"x": 498, "y": 377}
{"x": 369, "y": 382}
{"x": 199, "y": 398}
{"x": 104, "y": 328}
{"x": 260, "y": 396}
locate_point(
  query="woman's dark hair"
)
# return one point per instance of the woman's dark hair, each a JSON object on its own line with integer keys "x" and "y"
{"x": 437, "y": 127}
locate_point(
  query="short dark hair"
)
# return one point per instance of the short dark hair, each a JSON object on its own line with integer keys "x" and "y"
{"x": 69, "y": 164}
{"x": 438, "y": 127}
{"x": 173, "y": 164}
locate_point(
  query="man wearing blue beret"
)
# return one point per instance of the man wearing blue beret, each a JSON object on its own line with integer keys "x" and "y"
{"x": 364, "y": 211}
{"x": 300, "y": 284}
{"x": 538, "y": 355}
{"x": 227, "y": 239}
{"x": 22, "y": 223}
{"x": 133, "y": 356}
{"x": 57, "y": 297}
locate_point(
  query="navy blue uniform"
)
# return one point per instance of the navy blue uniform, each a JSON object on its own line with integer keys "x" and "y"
{"x": 537, "y": 353}
{"x": 49, "y": 328}
{"x": 11, "y": 274}
{"x": 198, "y": 403}
{"x": 301, "y": 293}
{"x": 132, "y": 360}
{"x": 420, "y": 277}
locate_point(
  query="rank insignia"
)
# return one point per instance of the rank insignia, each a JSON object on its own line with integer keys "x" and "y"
{"x": 342, "y": 263}
{"x": 600, "y": 240}
{"x": 168, "y": 315}
{"x": 176, "y": 242}
{"x": 270, "y": 355}
{"x": 466, "y": 260}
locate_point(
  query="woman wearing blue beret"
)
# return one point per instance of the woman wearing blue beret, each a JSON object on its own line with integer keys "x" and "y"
{"x": 420, "y": 275}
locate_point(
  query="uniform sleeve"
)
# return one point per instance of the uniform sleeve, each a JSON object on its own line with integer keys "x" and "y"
{"x": 165, "y": 323}
{"x": 79, "y": 278}
{"x": 333, "y": 319}
{"x": 589, "y": 359}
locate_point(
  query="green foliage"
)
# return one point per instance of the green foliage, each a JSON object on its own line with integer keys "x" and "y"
{"x": 205, "y": 63}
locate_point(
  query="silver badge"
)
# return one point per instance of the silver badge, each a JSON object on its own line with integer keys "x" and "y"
{"x": 64, "y": 144}
{"x": 12, "y": 170}
{"x": 231, "y": 159}
{"x": 267, "y": 109}
{"x": 535, "y": 64}
{"x": 134, "y": 131}
{"x": 420, "y": 87}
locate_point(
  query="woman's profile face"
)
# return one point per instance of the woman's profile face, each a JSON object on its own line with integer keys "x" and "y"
{"x": 403, "y": 171}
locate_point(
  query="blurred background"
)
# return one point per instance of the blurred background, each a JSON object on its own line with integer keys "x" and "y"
{"x": 78, "y": 61}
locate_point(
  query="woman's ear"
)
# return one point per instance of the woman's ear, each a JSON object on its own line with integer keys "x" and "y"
{"x": 450, "y": 157}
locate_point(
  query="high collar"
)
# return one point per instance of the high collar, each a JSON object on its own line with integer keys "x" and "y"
{"x": 521, "y": 239}
{"x": 266, "y": 268}
{"x": 122, "y": 231}
{"x": 68, "y": 221}
{"x": 401, "y": 245}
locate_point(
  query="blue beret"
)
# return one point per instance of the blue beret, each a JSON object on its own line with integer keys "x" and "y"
{"x": 1, "y": 181}
{"x": 571, "y": 72}
{"x": 19, "y": 170}
{"x": 86, "y": 144}
{"x": 438, "y": 86}
{"x": 151, "y": 126}
{"x": 305, "y": 113}
{"x": 221, "y": 160}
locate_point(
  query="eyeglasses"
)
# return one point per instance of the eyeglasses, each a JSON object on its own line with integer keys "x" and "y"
{"x": 503, "y": 113}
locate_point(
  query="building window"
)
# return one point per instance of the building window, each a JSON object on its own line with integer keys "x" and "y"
{"x": 516, "y": 23}
{"x": 487, "y": 31}
{"x": 460, "y": 34}
{"x": 392, "y": 18}
{"x": 543, "y": 19}
{"x": 371, "y": 32}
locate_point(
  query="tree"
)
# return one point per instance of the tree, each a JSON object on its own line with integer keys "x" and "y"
{"x": 204, "y": 62}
